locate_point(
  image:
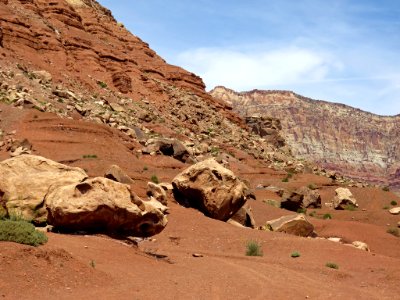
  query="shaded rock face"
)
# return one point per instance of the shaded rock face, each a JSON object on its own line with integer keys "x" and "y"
{"x": 210, "y": 188}
{"x": 343, "y": 198}
{"x": 268, "y": 128}
{"x": 303, "y": 197}
{"x": 244, "y": 216}
{"x": 102, "y": 205}
{"x": 335, "y": 136}
{"x": 26, "y": 179}
{"x": 293, "y": 224}
{"x": 169, "y": 147}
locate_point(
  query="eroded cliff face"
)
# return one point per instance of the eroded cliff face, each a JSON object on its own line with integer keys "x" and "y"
{"x": 355, "y": 143}
{"x": 73, "y": 59}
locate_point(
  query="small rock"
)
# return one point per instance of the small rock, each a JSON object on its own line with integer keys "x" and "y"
{"x": 361, "y": 245}
{"x": 197, "y": 255}
{"x": 395, "y": 211}
{"x": 335, "y": 239}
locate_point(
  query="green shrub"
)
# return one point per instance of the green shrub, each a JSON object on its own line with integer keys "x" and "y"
{"x": 386, "y": 207}
{"x": 145, "y": 168}
{"x": 102, "y": 84}
{"x": 393, "y": 231}
{"x": 92, "y": 264}
{"x": 89, "y": 156}
{"x": 332, "y": 265}
{"x": 21, "y": 232}
{"x": 286, "y": 179}
{"x": 386, "y": 189}
{"x": 312, "y": 186}
{"x": 393, "y": 203}
{"x": 313, "y": 213}
{"x": 253, "y": 249}
{"x": 154, "y": 179}
{"x": 350, "y": 207}
{"x": 302, "y": 211}
{"x": 327, "y": 216}
{"x": 295, "y": 254}
{"x": 272, "y": 202}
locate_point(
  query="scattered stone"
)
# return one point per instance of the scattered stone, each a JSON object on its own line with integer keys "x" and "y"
{"x": 303, "y": 197}
{"x": 361, "y": 245}
{"x": 211, "y": 188}
{"x": 157, "y": 192}
{"x": 26, "y": 179}
{"x": 343, "y": 198}
{"x": 43, "y": 76}
{"x": 244, "y": 216}
{"x": 20, "y": 151}
{"x": 102, "y": 205}
{"x": 395, "y": 211}
{"x": 116, "y": 107}
{"x": 197, "y": 255}
{"x": 115, "y": 173}
{"x": 335, "y": 239}
{"x": 169, "y": 147}
{"x": 292, "y": 224}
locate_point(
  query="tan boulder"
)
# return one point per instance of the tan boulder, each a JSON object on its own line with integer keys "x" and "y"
{"x": 26, "y": 179}
{"x": 102, "y": 205}
{"x": 244, "y": 216}
{"x": 343, "y": 198}
{"x": 169, "y": 147}
{"x": 211, "y": 188}
{"x": 115, "y": 173}
{"x": 303, "y": 197}
{"x": 292, "y": 224}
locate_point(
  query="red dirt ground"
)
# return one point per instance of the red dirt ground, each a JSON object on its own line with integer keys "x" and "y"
{"x": 87, "y": 267}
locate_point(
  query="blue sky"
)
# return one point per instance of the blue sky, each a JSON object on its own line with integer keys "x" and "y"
{"x": 345, "y": 51}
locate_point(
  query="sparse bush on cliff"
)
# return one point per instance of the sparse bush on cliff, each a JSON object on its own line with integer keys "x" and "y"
{"x": 21, "y": 232}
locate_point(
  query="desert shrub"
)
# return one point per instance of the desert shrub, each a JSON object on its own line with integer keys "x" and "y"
{"x": 386, "y": 207}
{"x": 302, "y": 211}
{"x": 21, "y": 232}
{"x": 102, "y": 84}
{"x": 89, "y": 156}
{"x": 393, "y": 231}
{"x": 350, "y": 207}
{"x": 154, "y": 179}
{"x": 286, "y": 179}
{"x": 253, "y": 248}
{"x": 295, "y": 254}
{"x": 92, "y": 264}
{"x": 313, "y": 213}
{"x": 145, "y": 168}
{"x": 386, "y": 189}
{"x": 393, "y": 203}
{"x": 327, "y": 216}
{"x": 312, "y": 186}
{"x": 332, "y": 265}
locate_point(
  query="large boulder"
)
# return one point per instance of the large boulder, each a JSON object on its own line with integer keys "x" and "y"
{"x": 26, "y": 179}
{"x": 292, "y": 224}
{"x": 102, "y": 205}
{"x": 244, "y": 216}
{"x": 343, "y": 199}
{"x": 210, "y": 188}
{"x": 169, "y": 147}
{"x": 303, "y": 197}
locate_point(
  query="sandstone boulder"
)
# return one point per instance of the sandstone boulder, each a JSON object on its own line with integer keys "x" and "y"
{"x": 117, "y": 174}
{"x": 169, "y": 147}
{"x": 343, "y": 198}
{"x": 395, "y": 211}
{"x": 244, "y": 216}
{"x": 210, "y": 188}
{"x": 26, "y": 179}
{"x": 292, "y": 224}
{"x": 303, "y": 197}
{"x": 102, "y": 205}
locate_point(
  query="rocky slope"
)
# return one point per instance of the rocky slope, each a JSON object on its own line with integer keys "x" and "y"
{"x": 338, "y": 137}
{"x": 72, "y": 58}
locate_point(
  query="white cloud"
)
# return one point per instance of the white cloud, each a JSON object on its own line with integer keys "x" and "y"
{"x": 257, "y": 68}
